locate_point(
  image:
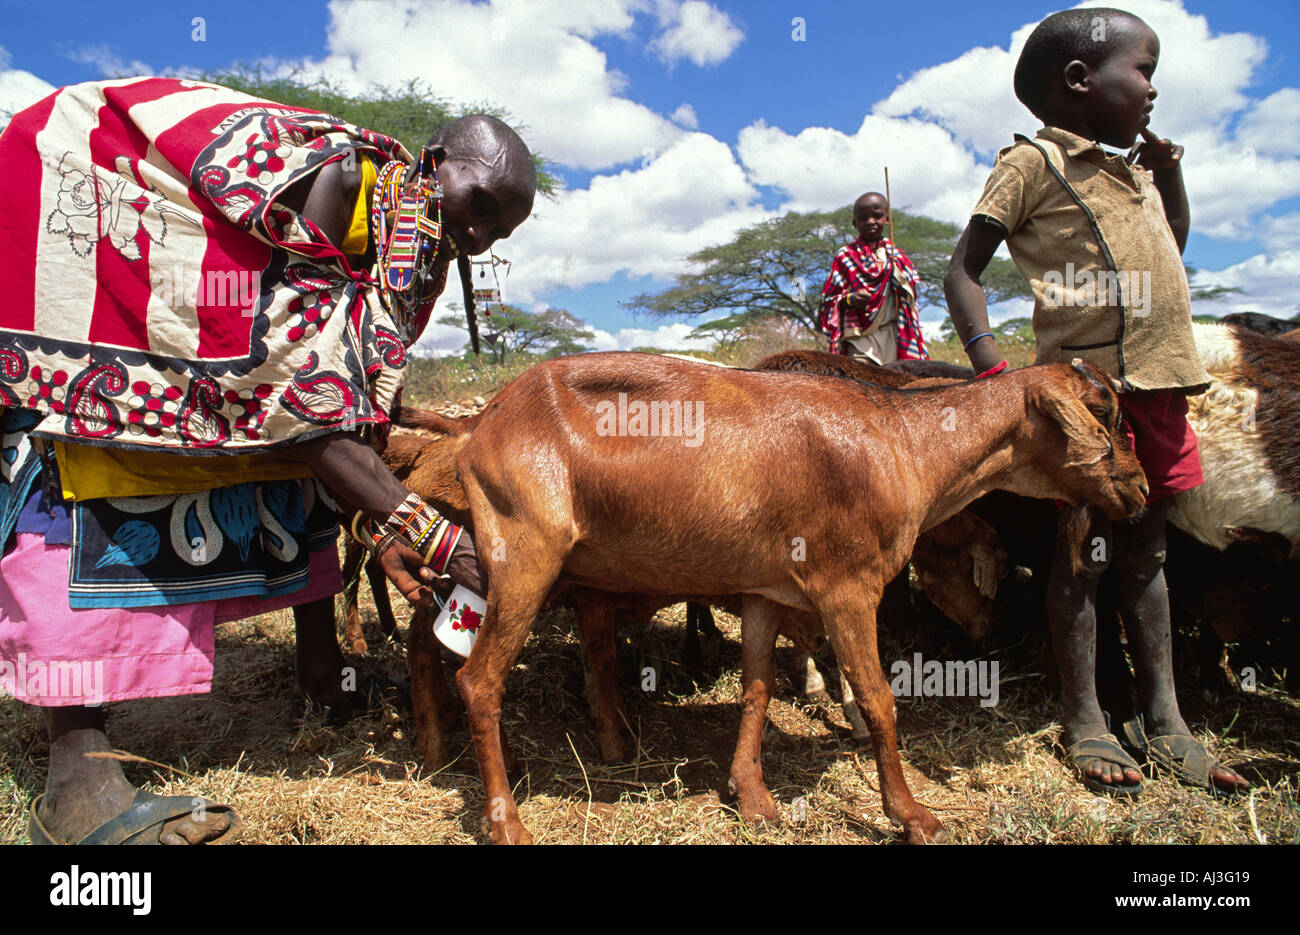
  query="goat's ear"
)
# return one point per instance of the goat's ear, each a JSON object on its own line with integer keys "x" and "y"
{"x": 1085, "y": 440}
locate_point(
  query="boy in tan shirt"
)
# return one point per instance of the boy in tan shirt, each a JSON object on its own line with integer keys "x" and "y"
{"x": 1099, "y": 238}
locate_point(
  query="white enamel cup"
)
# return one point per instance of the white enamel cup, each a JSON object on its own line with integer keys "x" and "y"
{"x": 456, "y": 627}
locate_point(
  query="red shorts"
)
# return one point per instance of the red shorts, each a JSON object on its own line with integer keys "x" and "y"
{"x": 1156, "y": 423}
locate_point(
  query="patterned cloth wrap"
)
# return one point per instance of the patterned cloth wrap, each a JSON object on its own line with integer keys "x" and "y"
{"x": 244, "y": 540}
{"x": 159, "y": 297}
{"x": 856, "y": 267}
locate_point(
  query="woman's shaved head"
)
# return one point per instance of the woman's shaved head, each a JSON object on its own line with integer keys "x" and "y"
{"x": 491, "y": 142}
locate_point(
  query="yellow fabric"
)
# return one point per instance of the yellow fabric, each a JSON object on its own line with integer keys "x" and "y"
{"x": 357, "y": 240}
{"x": 89, "y": 473}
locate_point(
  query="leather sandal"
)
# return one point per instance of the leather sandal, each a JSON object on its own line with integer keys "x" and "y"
{"x": 1181, "y": 754}
{"x": 142, "y": 823}
{"x": 1106, "y": 748}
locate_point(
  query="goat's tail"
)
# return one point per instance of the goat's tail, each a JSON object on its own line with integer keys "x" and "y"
{"x": 426, "y": 420}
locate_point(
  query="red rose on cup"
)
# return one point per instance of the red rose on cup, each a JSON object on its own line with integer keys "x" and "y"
{"x": 471, "y": 619}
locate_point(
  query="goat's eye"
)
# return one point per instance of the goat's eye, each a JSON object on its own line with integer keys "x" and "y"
{"x": 1100, "y": 412}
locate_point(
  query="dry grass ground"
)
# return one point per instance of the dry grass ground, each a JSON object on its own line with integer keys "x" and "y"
{"x": 990, "y": 774}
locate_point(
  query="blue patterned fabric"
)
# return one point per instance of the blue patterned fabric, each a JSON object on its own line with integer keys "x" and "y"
{"x": 249, "y": 539}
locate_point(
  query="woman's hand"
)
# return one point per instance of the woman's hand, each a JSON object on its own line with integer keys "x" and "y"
{"x": 409, "y": 574}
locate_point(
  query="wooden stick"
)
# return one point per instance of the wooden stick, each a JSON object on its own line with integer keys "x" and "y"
{"x": 890, "y": 205}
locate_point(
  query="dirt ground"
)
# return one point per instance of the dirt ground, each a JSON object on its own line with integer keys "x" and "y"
{"x": 990, "y": 774}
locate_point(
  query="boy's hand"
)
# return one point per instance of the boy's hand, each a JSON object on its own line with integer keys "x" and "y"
{"x": 1156, "y": 153}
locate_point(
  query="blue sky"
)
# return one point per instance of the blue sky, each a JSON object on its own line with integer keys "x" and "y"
{"x": 676, "y": 123}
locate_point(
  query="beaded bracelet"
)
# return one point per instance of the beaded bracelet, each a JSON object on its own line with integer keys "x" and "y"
{"x": 373, "y": 541}
{"x": 983, "y": 334}
{"x": 992, "y": 371}
{"x": 414, "y": 522}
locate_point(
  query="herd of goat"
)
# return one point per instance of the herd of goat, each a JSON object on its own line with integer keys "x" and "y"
{"x": 819, "y": 481}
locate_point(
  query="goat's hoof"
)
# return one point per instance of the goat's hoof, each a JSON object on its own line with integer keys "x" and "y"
{"x": 434, "y": 758}
{"x": 926, "y": 829}
{"x": 509, "y": 832}
{"x": 820, "y": 697}
{"x": 757, "y": 807}
{"x": 612, "y": 751}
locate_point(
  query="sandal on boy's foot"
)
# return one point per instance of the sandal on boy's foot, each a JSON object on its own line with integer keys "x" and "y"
{"x": 142, "y": 823}
{"x": 1106, "y": 748}
{"x": 1181, "y": 754}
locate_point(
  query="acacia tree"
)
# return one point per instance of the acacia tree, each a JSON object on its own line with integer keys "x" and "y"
{"x": 509, "y": 329}
{"x": 775, "y": 270}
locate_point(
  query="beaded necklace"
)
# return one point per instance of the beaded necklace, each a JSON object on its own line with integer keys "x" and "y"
{"x": 407, "y": 238}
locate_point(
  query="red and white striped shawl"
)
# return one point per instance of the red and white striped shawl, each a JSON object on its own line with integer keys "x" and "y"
{"x": 157, "y": 294}
{"x": 856, "y": 267}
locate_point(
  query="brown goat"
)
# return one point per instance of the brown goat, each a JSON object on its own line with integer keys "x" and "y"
{"x": 959, "y": 563}
{"x": 562, "y": 496}
{"x": 426, "y": 466}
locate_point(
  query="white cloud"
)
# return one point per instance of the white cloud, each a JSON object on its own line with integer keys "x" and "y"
{"x": 1229, "y": 184}
{"x": 18, "y": 89}
{"x": 696, "y": 31}
{"x": 821, "y": 168}
{"x": 1273, "y": 124}
{"x": 685, "y": 190}
{"x": 535, "y": 59}
{"x": 641, "y": 221}
{"x": 666, "y": 337}
{"x": 106, "y": 59}
{"x": 1270, "y": 283}
{"x": 443, "y": 340}
{"x": 971, "y": 98}
{"x": 1281, "y": 232}
{"x": 685, "y": 116}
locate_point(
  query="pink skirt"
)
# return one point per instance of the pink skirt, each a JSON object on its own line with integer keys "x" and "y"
{"x": 52, "y": 655}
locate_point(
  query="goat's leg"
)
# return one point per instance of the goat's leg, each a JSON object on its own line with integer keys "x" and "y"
{"x": 852, "y": 712}
{"x": 813, "y": 685}
{"x": 431, "y": 699}
{"x": 353, "y": 633}
{"x": 759, "y": 626}
{"x": 379, "y": 592}
{"x": 850, "y": 618}
{"x": 597, "y": 635}
{"x": 515, "y": 594}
